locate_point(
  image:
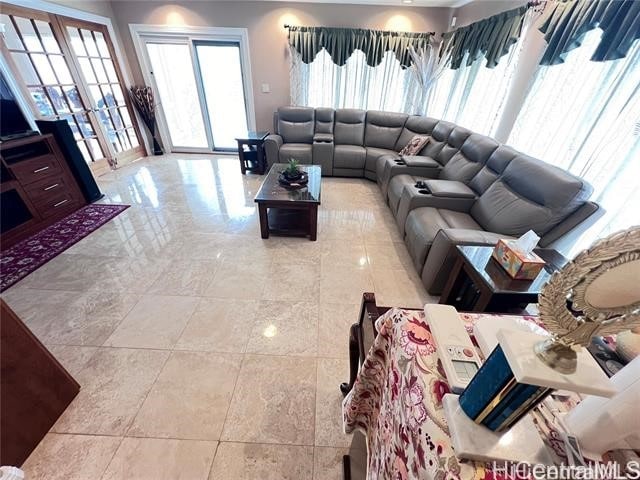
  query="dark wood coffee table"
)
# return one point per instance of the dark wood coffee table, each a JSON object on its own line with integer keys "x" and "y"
{"x": 289, "y": 211}
{"x": 477, "y": 282}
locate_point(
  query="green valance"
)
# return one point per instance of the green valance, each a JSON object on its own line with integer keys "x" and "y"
{"x": 340, "y": 43}
{"x": 568, "y": 21}
{"x": 491, "y": 37}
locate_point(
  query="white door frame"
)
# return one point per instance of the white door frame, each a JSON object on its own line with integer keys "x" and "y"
{"x": 142, "y": 32}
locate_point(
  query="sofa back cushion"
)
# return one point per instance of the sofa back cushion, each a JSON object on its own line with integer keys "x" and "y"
{"x": 530, "y": 195}
{"x": 349, "y": 127}
{"x": 415, "y": 125}
{"x": 469, "y": 160}
{"x": 439, "y": 136}
{"x": 452, "y": 144}
{"x": 493, "y": 168}
{"x": 383, "y": 129}
{"x": 324, "y": 120}
{"x": 296, "y": 124}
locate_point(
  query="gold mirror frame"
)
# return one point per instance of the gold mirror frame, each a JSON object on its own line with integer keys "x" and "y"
{"x": 566, "y": 313}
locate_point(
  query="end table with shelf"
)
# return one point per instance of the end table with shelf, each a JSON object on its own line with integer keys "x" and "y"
{"x": 251, "y": 152}
{"x": 477, "y": 282}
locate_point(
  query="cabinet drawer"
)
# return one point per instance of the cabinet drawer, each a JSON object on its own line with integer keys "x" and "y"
{"x": 32, "y": 170}
{"x": 46, "y": 188}
{"x": 56, "y": 203}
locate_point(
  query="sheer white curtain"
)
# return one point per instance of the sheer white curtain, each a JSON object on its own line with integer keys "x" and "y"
{"x": 475, "y": 96}
{"x": 322, "y": 83}
{"x": 584, "y": 116}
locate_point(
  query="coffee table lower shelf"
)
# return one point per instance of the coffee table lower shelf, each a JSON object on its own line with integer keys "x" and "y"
{"x": 294, "y": 222}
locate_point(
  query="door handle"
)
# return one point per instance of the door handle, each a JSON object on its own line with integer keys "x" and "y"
{"x": 38, "y": 170}
{"x": 60, "y": 203}
{"x": 51, "y": 186}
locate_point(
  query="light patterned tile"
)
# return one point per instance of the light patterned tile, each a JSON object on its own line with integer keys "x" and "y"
{"x": 273, "y": 402}
{"x": 155, "y": 458}
{"x": 285, "y": 328}
{"x": 254, "y": 461}
{"x": 190, "y": 398}
{"x": 329, "y": 432}
{"x": 114, "y": 383}
{"x": 157, "y": 321}
{"x": 70, "y": 457}
{"x": 219, "y": 325}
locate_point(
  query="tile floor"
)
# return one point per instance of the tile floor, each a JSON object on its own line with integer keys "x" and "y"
{"x": 203, "y": 351}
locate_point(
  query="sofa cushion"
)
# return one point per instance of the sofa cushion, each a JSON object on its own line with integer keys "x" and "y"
{"x": 466, "y": 163}
{"x": 383, "y": 129}
{"x": 374, "y": 153}
{"x": 452, "y": 144}
{"x": 296, "y": 151}
{"x": 530, "y": 195}
{"x": 423, "y": 224}
{"x": 439, "y": 137}
{"x": 415, "y": 125}
{"x": 324, "y": 120}
{"x": 296, "y": 124}
{"x": 349, "y": 156}
{"x": 497, "y": 162}
{"x": 349, "y": 127}
{"x": 449, "y": 188}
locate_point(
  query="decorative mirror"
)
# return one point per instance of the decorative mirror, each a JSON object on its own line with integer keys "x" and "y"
{"x": 597, "y": 293}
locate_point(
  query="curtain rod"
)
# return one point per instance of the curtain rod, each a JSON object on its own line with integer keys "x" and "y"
{"x": 286, "y": 25}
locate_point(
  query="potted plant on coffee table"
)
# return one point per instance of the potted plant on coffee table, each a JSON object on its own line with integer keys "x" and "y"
{"x": 292, "y": 175}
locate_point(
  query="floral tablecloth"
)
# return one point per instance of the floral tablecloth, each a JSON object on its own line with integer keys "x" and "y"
{"x": 396, "y": 402}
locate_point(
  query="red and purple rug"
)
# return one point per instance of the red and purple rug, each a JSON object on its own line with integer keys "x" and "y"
{"x": 27, "y": 255}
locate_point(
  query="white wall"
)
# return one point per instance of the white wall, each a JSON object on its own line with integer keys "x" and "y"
{"x": 267, "y": 35}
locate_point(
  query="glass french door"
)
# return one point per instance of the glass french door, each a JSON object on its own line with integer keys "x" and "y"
{"x": 200, "y": 85}
{"x": 93, "y": 52}
{"x": 43, "y": 53}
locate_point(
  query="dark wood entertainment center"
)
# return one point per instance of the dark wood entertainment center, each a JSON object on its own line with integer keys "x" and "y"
{"x": 36, "y": 187}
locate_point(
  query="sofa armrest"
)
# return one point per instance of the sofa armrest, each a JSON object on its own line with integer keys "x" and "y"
{"x": 441, "y": 256}
{"x": 418, "y": 161}
{"x": 449, "y": 189}
{"x": 323, "y": 138}
{"x": 272, "y": 144}
{"x": 562, "y": 237}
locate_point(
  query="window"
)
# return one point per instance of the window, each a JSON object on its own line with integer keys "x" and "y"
{"x": 584, "y": 117}
{"x": 322, "y": 83}
{"x": 475, "y": 96}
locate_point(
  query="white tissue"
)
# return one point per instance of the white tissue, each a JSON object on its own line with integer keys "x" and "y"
{"x": 528, "y": 241}
{"x": 11, "y": 473}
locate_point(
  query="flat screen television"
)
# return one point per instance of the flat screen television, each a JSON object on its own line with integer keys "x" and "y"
{"x": 13, "y": 123}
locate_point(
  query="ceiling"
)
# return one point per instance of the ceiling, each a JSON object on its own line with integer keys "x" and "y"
{"x": 415, "y": 3}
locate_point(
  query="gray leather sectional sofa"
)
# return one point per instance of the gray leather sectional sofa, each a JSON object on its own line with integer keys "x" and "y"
{"x": 461, "y": 189}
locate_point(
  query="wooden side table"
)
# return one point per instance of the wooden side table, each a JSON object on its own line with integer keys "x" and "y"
{"x": 251, "y": 152}
{"x": 477, "y": 282}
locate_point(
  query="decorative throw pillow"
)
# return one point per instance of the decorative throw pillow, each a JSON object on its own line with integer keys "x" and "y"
{"x": 415, "y": 145}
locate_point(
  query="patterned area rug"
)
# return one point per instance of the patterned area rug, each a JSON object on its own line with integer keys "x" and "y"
{"x": 24, "y": 257}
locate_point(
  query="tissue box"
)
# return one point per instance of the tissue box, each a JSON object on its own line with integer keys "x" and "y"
{"x": 518, "y": 264}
